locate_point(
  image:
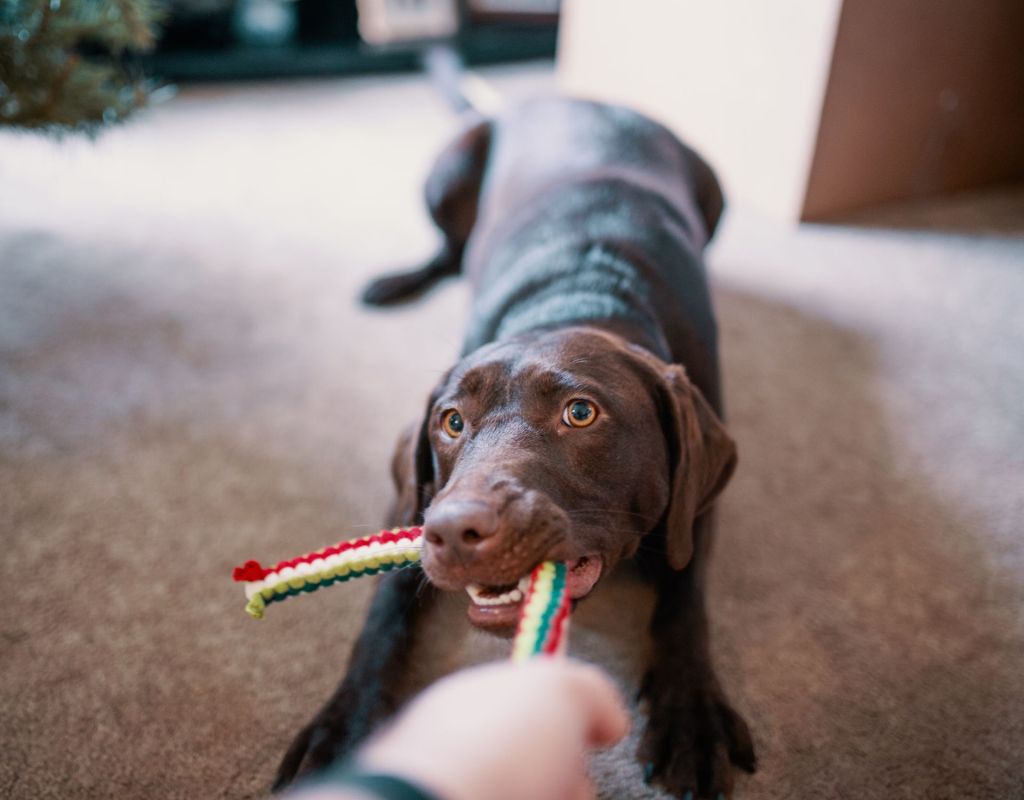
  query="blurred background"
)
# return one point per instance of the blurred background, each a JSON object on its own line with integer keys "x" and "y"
{"x": 192, "y": 195}
{"x": 811, "y": 109}
{"x": 275, "y": 38}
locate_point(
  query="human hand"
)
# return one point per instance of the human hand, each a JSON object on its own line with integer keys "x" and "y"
{"x": 502, "y": 732}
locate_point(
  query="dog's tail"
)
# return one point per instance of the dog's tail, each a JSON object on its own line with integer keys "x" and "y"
{"x": 465, "y": 91}
{"x": 453, "y": 186}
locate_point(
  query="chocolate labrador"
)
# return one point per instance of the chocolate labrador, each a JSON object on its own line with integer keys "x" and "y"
{"x": 582, "y": 423}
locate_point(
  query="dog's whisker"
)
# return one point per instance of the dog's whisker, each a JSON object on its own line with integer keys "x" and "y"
{"x": 422, "y": 585}
{"x": 602, "y": 510}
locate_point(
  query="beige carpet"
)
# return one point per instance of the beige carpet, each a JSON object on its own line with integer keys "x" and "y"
{"x": 186, "y": 382}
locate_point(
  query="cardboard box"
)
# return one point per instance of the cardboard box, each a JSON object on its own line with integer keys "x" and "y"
{"x": 809, "y": 109}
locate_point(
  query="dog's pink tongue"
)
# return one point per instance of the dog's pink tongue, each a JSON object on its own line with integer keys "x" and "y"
{"x": 583, "y": 574}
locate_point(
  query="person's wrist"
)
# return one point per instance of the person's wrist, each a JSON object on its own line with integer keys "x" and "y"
{"x": 440, "y": 774}
{"x": 357, "y": 781}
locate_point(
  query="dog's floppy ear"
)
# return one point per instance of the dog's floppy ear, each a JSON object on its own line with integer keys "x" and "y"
{"x": 702, "y": 458}
{"x": 412, "y": 469}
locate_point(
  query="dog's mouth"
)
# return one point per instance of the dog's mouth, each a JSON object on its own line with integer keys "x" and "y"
{"x": 496, "y": 608}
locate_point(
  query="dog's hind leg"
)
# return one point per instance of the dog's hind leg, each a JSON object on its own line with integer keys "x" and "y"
{"x": 452, "y": 191}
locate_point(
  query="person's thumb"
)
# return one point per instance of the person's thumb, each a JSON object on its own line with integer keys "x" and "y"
{"x": 605, "y": 715}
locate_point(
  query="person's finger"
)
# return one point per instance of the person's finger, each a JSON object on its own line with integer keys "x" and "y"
{"x": 605, "y": 716}
{"x": 583, "y": 790}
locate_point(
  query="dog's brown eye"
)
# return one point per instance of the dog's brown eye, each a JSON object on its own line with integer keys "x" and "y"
{"x": 579, "y": 413}
{"x": 452, "y": 423}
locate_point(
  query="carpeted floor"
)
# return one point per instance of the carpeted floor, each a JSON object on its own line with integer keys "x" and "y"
{"x": 187, "y": 382}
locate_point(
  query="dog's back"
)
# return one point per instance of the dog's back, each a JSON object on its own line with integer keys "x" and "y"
{"x": 594, "y": 213}
{"x": 553, "y": 142}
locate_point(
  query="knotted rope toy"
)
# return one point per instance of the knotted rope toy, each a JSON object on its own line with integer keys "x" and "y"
{"x": 543, "y": 619}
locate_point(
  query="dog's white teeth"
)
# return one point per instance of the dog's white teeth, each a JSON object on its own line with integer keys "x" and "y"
{"x": 524, "y": 585}
{"x": 478, "y": 596}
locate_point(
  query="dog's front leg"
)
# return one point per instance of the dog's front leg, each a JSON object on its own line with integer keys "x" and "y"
{"x": 693, "y": 736}
{"x": 369, "y": 693}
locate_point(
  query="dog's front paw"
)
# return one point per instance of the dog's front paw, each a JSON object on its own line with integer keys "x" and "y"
{"x": 330, "y": 735}
{"x": 692, "y": 742}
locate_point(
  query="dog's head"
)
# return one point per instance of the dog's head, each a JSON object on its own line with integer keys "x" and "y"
{"x": 571, "y": 445}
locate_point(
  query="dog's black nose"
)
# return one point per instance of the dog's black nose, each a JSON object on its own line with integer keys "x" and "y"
{"x": 456, "y": 529}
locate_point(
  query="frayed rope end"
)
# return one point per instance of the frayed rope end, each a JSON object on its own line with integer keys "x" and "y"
{"x": 255, "y": 606}
{"x": 250, "y": 571}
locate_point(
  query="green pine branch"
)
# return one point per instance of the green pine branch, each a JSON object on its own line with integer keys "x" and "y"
{"x": 62, "y": 65}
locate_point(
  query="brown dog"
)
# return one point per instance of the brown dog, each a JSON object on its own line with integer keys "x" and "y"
{"x": 582, "y": 423}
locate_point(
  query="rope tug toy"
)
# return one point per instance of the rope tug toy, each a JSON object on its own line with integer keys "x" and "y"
{"x": 543, "y": 620}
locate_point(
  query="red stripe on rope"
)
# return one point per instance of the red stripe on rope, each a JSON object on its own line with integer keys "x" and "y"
{"x": 253, "y": 571}
{"x": 557, "y": 626}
